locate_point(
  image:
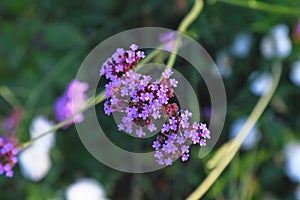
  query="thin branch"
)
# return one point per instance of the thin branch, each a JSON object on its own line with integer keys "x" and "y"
{"x": 238, "y": 140}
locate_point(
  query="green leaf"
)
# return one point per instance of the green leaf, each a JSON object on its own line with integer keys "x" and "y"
{"x": 60, "y": 35}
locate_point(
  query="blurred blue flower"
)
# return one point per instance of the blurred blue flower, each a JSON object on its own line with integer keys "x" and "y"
{"x": 224, "y": 62}
{"x": 252, "y": 138}
{"x": 298, "y": 193}
{"x": 295, "y": 73}
{"x": 292, "y": 155}
{"x": 242, "y": 44}
{"x": 260, "y": 83}
{"x": 277, "y": 44}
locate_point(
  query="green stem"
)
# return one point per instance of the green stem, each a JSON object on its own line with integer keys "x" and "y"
{"x": 35, "y": 94}
{"x": 186, "y": 22}
{"x": 238, "y": 140}
{"x": 257, "y": 5}
{"x": 89, "y": 103}
{"x": 9, "y": 96}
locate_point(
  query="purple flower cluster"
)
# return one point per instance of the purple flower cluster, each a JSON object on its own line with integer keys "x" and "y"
{"x": 120, "y": 62}
{"x": 178, "y": 135}
{"x": 8, "y": 156}
{"x": 12, "y": 121}
{"x": 143, "y": 101}
{"x": 72, "y": 100}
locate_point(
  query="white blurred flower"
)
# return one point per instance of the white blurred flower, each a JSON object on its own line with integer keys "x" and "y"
{"x": 242, "y": 44}
{"x": 298, "y": 193}
{"x": 260, "y": 83}
{"x": 295, "y": 73}
{"x": 292, "y": 167}
{"x": 35, "y": 160}
{"x": 39, "y": 125}
{"x": 252, "y": 138}
{"x": 223, "y": 62}
{"x": 34, "y": 163}
{"x": 277, "y": 43}
{"x": 267, "y": 47}
{"x": 85, "y": 188}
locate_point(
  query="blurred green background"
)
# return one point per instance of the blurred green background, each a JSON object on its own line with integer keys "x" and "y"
{"x": 42, "y": 44}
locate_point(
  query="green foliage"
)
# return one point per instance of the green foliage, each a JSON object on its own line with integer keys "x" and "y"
{"x": 43, "y": 43}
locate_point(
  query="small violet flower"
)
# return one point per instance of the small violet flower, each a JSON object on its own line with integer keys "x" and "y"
{"x": 8, "y": 156}
{"x": 72, "y": 100}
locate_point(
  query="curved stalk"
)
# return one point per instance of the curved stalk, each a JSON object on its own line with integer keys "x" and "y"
{"x": 262, "y": 6}
{"x": 238, "y": 140}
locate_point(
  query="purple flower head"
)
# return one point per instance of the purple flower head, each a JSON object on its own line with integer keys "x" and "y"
{"x": 107, "y": 107}
{"x": 158, "y": 155}
{"x": 139, "y": 99}
{"x": 141, "y": 54}
{"x": 173, "y": 82}
{"x": 179, "y": 135}
{"x": 71, "y": 101}
{"x": 152, "y": 127}
{"x": 121, "y": 62}
{"x": 8, "y": 156}
{"x": 12, "y": 121}
{"x": 185, "y": 157}
{"x": 156, "y": 145}
{"x": 140, "y": 132}
{"x": 168, "y": 39}
{"x": 185, "y": 149}
{"x": 168, "y": 161}
{"x": 167, "y": 73}
{"x": 134, "y": 47}
{"x": 142, "y": 101}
